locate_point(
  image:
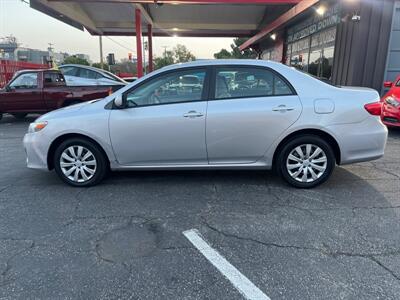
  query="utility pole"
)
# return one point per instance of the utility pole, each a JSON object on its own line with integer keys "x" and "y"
{"x": 101, "y": 51}
{"x": 165, "y": 51}
{"x": 50, "y": 49}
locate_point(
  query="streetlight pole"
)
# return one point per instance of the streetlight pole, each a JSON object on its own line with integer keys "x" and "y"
{"x": 101, "y": 51}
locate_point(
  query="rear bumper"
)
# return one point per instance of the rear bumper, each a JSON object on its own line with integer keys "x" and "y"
{"x": 359, "y": 142}
{"x": 36, "y": 156}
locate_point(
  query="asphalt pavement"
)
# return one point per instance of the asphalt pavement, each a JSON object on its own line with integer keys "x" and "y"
{"x": 124, "y": 238}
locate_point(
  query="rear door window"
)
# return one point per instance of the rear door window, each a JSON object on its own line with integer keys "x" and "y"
{"x": 53, "y": 78}
{"x": 247, "y": 82}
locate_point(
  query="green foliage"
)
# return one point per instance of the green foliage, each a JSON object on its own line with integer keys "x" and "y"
{"x": 178, "y": 54}
{"x": 235, "y": 51}
{"x": 76, "y": 60}
{"x": 98, "y": 65}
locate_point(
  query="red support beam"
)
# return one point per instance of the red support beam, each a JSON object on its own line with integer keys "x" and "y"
{"x": 291, "y": 13}
{"x": 138, "y": 28}
{"x": 150, "y": 42}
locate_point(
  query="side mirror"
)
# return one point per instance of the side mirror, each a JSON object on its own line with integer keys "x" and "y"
{"x": 119, "y": 101}
{"x": 388, "y": 84}
{"x": 7, "y": 88}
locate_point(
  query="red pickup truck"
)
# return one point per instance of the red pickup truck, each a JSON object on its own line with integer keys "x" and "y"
{"x": 40, "y": 91}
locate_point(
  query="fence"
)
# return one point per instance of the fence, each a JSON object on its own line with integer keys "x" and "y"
{"x": 9, "y": 67}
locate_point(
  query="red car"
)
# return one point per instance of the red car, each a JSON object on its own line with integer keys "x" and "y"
{"x": 391, "y": 104}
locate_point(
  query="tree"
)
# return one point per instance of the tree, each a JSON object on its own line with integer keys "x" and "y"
{"x": 76, "y": 60}
{"x": 235, "y": 51}
{"x": 178, "y": 54}
{"x": 98, "y": 65}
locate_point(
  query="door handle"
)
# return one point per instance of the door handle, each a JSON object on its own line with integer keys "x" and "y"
{"x": 282, "y": 108}
{"x": 193, "y": 114}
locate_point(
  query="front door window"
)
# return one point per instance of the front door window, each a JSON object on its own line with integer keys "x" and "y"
{"x": 176, "y": 87}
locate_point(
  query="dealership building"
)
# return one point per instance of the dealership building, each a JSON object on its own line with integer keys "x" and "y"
{"x": 348, "y": 42}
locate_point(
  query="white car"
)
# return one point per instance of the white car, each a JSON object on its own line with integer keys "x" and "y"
{"x": 80, "y": 75}
{"x": 274, "y": 117}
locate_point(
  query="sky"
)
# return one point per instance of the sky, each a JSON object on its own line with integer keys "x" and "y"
{"x": 34, "y": 29}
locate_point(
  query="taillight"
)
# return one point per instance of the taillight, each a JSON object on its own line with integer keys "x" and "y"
{"x": 374, "y": 109}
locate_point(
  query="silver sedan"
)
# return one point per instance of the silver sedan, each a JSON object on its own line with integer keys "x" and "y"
{"x": 232, "y": 114}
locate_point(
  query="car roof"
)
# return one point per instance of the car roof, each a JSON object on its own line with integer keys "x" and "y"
{"x": 213, "y": 62}
{"x": 82, "y": 66}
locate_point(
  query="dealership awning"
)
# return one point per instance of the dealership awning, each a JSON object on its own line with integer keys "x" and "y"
{"x": 186, "y": 18}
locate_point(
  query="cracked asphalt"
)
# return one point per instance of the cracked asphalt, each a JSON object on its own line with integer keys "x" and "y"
{"x": 123, "y": 239}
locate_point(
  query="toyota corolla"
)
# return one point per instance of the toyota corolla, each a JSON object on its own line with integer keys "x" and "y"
{"x": 240, "y": 114}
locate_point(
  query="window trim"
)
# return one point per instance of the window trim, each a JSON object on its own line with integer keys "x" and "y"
{"x": 204, "y": 94}
{"x": 215, "y": 68}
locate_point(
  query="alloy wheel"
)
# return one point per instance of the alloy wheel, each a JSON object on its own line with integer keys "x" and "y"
{"x": 78, "y": 163}
{"x": 306, "y": 163}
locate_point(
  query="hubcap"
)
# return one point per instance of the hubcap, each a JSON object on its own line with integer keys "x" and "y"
{"x": 306, "y": 163}
{"x": 78, "y": 163}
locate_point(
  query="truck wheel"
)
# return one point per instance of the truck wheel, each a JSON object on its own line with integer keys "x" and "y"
{"x": 80, "y": 163}
{"x": 19, "y": 116}
{"x": 306, "y": 161}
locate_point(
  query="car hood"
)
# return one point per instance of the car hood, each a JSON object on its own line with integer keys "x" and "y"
{"x": 68, "y": 110}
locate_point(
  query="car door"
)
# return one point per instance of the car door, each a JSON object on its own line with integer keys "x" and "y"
{"x": 250, "y": 108}
{"x": 23, "y": 94}
{"x": 162, "y": 123}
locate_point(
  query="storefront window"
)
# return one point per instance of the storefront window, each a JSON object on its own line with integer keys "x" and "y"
{"x": 327, "y": 62}
{"x": 314, "y": 54}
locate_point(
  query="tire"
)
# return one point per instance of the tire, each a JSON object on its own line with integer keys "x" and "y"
{"x": 20, "y": 116}
{"x": 96, "y": 162}
{"x": 311, "y": 172}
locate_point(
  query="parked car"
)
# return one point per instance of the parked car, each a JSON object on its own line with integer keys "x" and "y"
{"x": 40, "y": 91}
{"x": 80, "y": 75}
{"x": 130, "y": 79}
{"x": 391, "y": 104}
{"x": 290, "y": 121}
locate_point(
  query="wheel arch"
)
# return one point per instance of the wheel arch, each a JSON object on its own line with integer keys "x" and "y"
{"x": 317, "y": 132}
{"x": 62, "y": 138}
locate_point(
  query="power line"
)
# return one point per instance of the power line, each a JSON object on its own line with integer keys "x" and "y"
{"x": 119, "y": 44}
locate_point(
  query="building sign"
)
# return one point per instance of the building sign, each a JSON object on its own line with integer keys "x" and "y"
{"x": 315, "y": 24}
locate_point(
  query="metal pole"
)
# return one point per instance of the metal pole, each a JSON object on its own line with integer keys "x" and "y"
{"x": 150, "y": 40}
{"x": 101, "y": 52}
{"x": 138, "y": 25}
{"x": 144, "y": 57}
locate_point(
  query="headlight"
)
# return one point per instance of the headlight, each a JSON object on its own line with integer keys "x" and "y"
{"x": 392, "y": 101}
{"x": 37, "y": 126}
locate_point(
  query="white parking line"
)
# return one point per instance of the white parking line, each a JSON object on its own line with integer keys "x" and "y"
{"x": 239, "y": 281}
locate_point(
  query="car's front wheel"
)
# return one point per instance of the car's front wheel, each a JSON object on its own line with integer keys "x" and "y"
{"x": 80, "y": 163}
{"x": 306, "y": 161}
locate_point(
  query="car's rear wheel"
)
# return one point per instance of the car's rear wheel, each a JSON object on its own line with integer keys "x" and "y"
{"x": 80, "y": 162}
{"x": 306, "y": 161}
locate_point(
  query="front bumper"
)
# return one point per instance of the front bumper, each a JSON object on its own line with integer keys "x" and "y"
{"x": 390, "y": 115}
{"x": 362, "y": 141}
{"x": 36, "y": 152}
